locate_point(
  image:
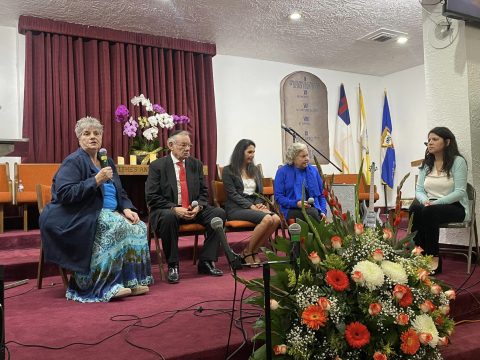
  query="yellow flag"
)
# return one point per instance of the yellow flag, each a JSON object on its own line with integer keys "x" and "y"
{"x": 362, "y": 138}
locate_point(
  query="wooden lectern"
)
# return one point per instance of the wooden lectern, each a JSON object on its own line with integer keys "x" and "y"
{"x": 13, "y": 147}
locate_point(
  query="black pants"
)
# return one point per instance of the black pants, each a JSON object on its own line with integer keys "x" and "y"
{"x": 297, "y": 213}
{"x": 426, "y": 221}
{"x": 168, "y": 226}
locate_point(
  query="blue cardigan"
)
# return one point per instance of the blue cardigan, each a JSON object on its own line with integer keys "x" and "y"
{"x": 459, "y": 193}
{"x": 287, "y": 195}
{"x": 68, "y": 222}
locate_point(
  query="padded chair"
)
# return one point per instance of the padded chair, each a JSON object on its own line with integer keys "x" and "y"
{"x": 44, "y": 196}
{"x": 219, "y": 198}
{"x": 184, "y": 230}
{"x": 5, "y": 191}
{"x": 471, "y": 225}
{"x": 31, "y": 175}
{"x": 266, "y": 182}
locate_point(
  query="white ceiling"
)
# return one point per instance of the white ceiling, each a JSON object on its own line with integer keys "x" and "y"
{"x": 326, "y": 37}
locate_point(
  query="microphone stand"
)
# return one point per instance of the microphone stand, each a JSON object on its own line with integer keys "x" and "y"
{"x": 296, "y": 134}
{"x": 268, "y": 320}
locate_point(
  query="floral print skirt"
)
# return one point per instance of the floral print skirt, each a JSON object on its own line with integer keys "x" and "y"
{"x": 120, "y": 258}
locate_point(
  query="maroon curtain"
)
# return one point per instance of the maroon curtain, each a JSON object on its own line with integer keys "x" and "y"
{"x": 72, "y": 71}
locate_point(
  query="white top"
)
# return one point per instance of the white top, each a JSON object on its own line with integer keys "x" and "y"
{"x": 177, "y": 175}
{"x": 438, "y": 185}
{"x": 249, "y": 186}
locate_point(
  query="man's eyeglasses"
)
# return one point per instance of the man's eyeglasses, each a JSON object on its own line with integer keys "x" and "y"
{"x": 183, "y": 145}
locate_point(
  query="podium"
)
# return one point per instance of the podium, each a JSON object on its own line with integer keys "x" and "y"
{"x": 14, "y": 147}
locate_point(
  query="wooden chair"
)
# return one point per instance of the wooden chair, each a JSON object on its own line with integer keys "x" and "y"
{"x": 363, "y": 190}
{"x": 31, "y": 175}
{"x": 473, "y": 233}
{"x": 44, "y": 196}
{"x": 184, "y": 230}
{"x": 5, "y": 191}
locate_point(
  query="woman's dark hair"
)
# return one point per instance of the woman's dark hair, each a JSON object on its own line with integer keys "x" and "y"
{"x": 449, "y": 152}
{"x": 238, "y": 157}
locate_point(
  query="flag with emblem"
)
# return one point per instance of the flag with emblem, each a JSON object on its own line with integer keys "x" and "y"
{"x": 387, "y": 148}
{"x": 343, "y": 143}
{"x": 362, "y": 138}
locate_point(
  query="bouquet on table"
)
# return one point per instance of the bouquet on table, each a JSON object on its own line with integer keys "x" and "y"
{"x": 359, "y": 294}
{"x": 145, "y": 129}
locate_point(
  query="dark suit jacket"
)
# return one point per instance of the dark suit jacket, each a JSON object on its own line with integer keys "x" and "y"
{"x": 68, "y": 223}
{"x": 236, "y": 199}
{"x": 161, "y": 190}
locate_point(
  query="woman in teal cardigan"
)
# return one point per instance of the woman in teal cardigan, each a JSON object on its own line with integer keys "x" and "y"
{"x": 441, "y": 192}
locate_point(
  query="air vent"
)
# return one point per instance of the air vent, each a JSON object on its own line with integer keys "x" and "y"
{"x": 382, "y": 36}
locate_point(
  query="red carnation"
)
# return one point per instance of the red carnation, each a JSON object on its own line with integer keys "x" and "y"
{"x": 337, "y": 279}
{"x": 357, "y": 335}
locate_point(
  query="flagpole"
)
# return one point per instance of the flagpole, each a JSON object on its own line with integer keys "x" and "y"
{"x": 385, "y": 197}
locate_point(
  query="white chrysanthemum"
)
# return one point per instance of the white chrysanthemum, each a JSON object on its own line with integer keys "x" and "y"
{"x": 424, "y": 324}
{"x": 395, "y": 272}
{"x": 151, "y": 133}
{"x": 372, "y": 273}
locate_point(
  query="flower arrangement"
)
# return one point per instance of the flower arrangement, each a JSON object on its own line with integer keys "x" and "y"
{"x": 357, "y": 294}
{"x": 145, "y": 129}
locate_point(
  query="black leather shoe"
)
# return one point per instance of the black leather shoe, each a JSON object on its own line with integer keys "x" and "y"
{"x": 173, "y": 276}
{"x": 208, "y": 268}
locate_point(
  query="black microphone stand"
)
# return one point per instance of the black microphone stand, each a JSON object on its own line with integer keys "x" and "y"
{"x": 296, "y": 134}
{"x": 268, "y": 320}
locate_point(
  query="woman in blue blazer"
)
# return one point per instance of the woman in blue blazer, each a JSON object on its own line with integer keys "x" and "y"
{"x": 441, "y": 192}
{"x": 91, "y": 228}
{"x": 289, "y": 180}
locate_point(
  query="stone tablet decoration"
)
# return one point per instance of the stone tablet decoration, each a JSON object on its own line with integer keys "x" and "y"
{"x": 304, "y": 104}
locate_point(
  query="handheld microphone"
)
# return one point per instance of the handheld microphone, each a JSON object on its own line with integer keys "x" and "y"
{"x": 234, "y": 260}
{"x": 311, "y": 201}
{"x": 294, "y": 231}
{"x": 103, "y": 157}
{"x": 425, "y": 143}
{"x": 193, "y": 205}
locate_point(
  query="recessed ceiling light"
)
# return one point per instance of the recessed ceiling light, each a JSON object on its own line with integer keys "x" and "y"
{"x": 402, "y": 40}
{"x": 295, "y": 16}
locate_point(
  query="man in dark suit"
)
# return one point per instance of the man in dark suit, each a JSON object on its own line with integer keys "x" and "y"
{"x": 173, "y": 182}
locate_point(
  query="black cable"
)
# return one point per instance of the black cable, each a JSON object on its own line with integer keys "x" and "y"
{"x": 232, "y": 314}
{"x": 23, "y": 293}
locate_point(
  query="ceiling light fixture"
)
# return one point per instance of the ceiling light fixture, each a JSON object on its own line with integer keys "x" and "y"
{"x": 295, "y": 16}
{"x": 402, "y": 40}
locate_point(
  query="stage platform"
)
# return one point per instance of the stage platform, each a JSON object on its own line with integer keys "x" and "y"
{"x": 189, "y": 320}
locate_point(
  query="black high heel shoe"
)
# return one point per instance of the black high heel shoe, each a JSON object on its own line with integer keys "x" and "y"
{"x": 438, "y": 270}
{"x": 252, "y": 263}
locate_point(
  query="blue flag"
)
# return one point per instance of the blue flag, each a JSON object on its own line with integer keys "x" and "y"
{"x": 387, "y": 150}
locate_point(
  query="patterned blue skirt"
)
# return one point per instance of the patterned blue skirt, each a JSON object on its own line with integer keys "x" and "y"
{"x": 120, "y": 258}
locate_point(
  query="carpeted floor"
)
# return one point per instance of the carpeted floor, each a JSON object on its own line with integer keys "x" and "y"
{"x": 189, "y": 320}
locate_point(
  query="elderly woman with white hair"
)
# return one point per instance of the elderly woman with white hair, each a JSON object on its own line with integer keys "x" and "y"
{"x": 91, "y": 228}
{"x": 291, "y": 178}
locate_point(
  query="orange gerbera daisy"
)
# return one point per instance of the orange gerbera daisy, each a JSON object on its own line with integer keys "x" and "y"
{"x": 357, "y": 335}
{"x": 314, "y": 317}
{"x": 337, "y": 279}
{"x": 410, "y": 342}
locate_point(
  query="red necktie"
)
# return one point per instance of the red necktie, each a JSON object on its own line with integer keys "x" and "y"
{"x": 183, "y": 185}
